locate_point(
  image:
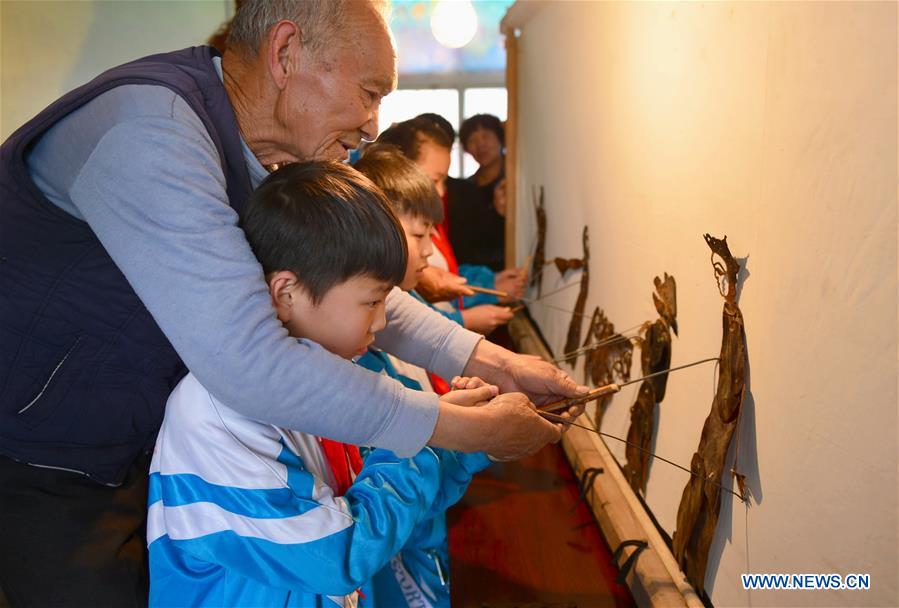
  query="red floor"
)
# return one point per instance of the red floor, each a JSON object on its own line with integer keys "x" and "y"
{"x": 515, "y": 540}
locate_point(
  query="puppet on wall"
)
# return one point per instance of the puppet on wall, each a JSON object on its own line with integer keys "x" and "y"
{"x": 539, "y": 260}
{"x": 577, "y": 317}
{"x": 655, "y": 356}
{"x": 609, "y": 362}
{"x": 697, "y": 514}
{"x": 563, "y": 265}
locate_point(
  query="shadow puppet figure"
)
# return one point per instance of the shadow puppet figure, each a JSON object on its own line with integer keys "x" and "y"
{"x": 610, "y": 362}
{"x": 697, "y": 515}
{"x": 655, "y": 356}
{"x": 539, "y": 261}
{"x": 577, "y": 318}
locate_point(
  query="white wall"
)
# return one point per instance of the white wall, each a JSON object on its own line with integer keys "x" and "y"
{"x": 775, "y": 124}
{"x": 50, "y": 47}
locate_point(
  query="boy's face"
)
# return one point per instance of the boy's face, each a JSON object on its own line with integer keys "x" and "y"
{"x": 418, "y": 239}
{"x": 345, "y": 320}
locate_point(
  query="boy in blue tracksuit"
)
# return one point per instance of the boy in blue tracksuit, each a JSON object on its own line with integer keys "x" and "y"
{"x": 419, "y": 575}
{"x": 245, "y": 513}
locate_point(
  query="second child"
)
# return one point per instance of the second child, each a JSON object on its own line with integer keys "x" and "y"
{"x": 419, "y": 574}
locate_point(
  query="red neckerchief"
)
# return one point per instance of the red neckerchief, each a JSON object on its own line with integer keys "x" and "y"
{"x": 441, "y": 242}
{"x": 440, "y": 386}
{"x": 342, "y": 458}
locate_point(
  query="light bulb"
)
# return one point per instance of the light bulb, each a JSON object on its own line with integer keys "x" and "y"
{"x": 454, "y": 23}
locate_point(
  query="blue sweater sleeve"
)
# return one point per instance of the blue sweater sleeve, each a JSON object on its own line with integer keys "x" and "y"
{"x": 456, "y": 471}
{"x": 480, "y": 276}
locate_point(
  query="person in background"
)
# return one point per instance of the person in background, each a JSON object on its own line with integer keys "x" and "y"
{"x": 483, "y": 137}
{"x": 244, "y": 513}
{"x": 478, "y": 232}
{"x": 123, "y": 265}
{"x": 470, "y": 225}
{"x": 428, "y": 146}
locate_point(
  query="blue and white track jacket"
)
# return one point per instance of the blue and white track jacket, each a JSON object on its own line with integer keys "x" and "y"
{"x": 242, "y": 513}
{"x": 419, "y": 575}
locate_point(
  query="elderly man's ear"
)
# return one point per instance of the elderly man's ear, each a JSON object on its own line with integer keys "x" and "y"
{"x": 283, "y": 46}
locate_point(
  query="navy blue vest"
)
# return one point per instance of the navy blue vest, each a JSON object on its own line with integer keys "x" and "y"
{"x": 84, "y": 369}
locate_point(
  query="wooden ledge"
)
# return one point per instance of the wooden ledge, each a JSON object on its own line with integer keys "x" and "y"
{"x": 655, "y": 579}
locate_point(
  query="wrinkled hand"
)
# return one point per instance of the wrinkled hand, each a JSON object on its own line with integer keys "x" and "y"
{"x": 464, "y": 384}
{"x": 485, "y": 318}
{"x": 510, "y": 281}
{"x": 515, "y": 429}
{"x": 544, "y": 383}
{"x": 438, "y": 285}
{"x": 540, "y": 380}
{"x": 470, "y": 393}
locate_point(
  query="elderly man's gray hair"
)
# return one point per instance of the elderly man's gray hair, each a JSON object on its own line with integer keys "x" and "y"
{"x": 320, "y": 21}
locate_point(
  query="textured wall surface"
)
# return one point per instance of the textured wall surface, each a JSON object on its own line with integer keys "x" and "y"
{"x": 775, "y": 124}
{"x": 48, "y": 47}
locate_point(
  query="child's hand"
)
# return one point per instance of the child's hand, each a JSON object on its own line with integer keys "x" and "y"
{"x": 464, "y": 382}
{"x": 485, "y": 318}
{"x": 471, "y": 397}
{"x": 510, "y": 281}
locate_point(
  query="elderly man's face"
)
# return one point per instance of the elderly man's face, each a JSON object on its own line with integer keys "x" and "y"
{"x": 331, "y": 101}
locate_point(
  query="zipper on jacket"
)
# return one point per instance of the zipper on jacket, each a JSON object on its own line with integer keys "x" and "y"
{"x": 52, "y": 375}
{"x": 437, "y": 562}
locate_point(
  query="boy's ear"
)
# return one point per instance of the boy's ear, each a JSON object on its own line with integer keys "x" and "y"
{"x": 281, "y": 286}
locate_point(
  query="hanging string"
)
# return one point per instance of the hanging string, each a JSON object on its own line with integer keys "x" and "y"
{"x": 620, "y": 336}
{"x": 557, "y": 418}
{"x": 537, "y": 274}
{"x": 560, "y": 309}
{"x": 551, "y": 293}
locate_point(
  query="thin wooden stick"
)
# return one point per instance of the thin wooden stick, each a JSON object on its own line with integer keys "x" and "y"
{"x": 564, "y": 404}
{"x": 503, "y": 294}
{"x": 492, "y": 292}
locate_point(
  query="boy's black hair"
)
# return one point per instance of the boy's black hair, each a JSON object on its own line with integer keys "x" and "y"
{"x": 406, "y": 187}
{"x": 409, "y": 135}
{"x": 326, "y": 223}
{"x": 441, "y": 122}
{"x": 481, "y": 121}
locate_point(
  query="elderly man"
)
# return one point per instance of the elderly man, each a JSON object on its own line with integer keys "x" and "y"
{"x": 122, "y": 263}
